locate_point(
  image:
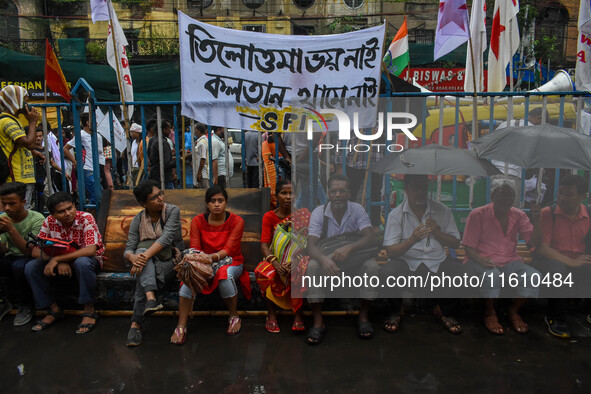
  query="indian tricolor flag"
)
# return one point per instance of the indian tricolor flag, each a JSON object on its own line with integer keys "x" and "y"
{"x": 397, "y": 58}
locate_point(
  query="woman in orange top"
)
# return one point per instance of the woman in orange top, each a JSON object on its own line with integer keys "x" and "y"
{"x": 218, "y": 234}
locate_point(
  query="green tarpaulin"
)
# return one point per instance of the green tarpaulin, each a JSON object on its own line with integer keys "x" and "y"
{"x": 153, "y": 82}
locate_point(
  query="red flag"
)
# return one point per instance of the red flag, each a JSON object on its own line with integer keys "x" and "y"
{"x": 54, "y": 77}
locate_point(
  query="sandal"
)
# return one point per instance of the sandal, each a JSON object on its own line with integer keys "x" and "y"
{"x": 451, "y": 325}
{"x": 315, "y": 335}
{"x": 298, "y": 327}
{"x": 518, "y": 324}
{"x": 392, "y": 323}
{"x": 365, "y": 329}
{"x": 134, "y": 337}
{"x": 41, "y": 325}
{"x": 272, "y": 327}
{"x": 234, "y": 325}
{"x": 181, "y": 334}
{"x": 493, "y": 326}
{"x": 88, "y": 326}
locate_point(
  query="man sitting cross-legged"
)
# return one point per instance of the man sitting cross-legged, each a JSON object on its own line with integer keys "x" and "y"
{"x": 67, "y": 224}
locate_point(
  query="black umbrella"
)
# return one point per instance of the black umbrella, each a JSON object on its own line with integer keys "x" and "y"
{"x": 541, "y": 146}
{"x": 435, "y": 159}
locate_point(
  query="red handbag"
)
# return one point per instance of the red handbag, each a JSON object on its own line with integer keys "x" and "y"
{"x": 54, "y": 247}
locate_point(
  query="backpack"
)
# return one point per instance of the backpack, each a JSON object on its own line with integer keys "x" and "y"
{"x": 6, "y": 162}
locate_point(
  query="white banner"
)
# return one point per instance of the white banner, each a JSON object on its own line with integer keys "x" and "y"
{"x": 102, "y": 125}
{"x": 249, "y": 81}
{"x": 126, "y": 85}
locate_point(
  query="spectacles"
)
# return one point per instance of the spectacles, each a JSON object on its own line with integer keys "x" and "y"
{"x": 160, "y": 194}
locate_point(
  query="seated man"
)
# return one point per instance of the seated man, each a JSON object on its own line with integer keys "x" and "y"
{"x": 563, "y": 250}
{"x": 337, "y": 217}
{"x": 15, "y": 225}
{"x": 67, "y": 224}
{"x": 154, "y": 235}
{"x": 416, "y": 234}
{"x": 490, "y": 239}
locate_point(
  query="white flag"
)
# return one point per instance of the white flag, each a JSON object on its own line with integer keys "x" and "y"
{"x": 583, "y": 67}
{"x": 478, "y": 34}
{"x": 102, "y": 125}
{"x": 99, "y": 10}
{"x": 504, "y": 41}
{"x": 126, "y": 85}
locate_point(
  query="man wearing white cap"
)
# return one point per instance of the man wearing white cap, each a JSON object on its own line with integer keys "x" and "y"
{"x": 17, "y": 143}
{"x": 135, "y": 131}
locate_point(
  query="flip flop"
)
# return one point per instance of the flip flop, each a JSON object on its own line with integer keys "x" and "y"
{"x": 493, "y": 326}
{"x": 518, "y": 324}
{"x": 272, "y": 327}
{"x": 181, "y": 334}
{"x": 365, "y": 329}
{"x": 56, "y": 317}
{"x": 298, "y": 327}
{"x": 233, "y": 323}
{"x": 449, "y": 323}
{"x": 90, "y": 326}
{"x": 392, "y": 323}
{"x": 315, "y": 335}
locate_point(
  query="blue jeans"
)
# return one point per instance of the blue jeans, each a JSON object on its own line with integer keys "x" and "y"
{"x": 226, "y": 287}
{"x": 89, "y": 186}
{"x": 84, "y": 269}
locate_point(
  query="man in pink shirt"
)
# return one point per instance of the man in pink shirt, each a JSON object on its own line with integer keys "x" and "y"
{"x": 563, "y": 251}
{"x": 490, "y": 240}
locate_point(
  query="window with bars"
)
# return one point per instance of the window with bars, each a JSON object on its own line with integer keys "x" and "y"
{"x": 423, "y": 36}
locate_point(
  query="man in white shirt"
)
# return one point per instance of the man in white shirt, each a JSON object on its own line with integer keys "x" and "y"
{"x": 85, "y": 133}
{"x": 218, "y": 157}
{"x": 416, "y": 235}
{"x": 202, "y": 149}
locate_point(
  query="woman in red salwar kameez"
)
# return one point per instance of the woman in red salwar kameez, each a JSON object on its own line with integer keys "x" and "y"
{"x": 218, "y": 234}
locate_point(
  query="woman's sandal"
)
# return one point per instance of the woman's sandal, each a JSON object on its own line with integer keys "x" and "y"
{"x": 181, "y": 334}
{"x": 234, "y": 325}
{"x": 298, "y": 327}
{"x": 272, "y": 327}
{"x": 88, "y": 326}
{"x": 493, "y": 326}
{"x": 43, "y": 325}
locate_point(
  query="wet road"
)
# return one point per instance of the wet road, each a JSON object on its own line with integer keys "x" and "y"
{"x": 422, "y": 358}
